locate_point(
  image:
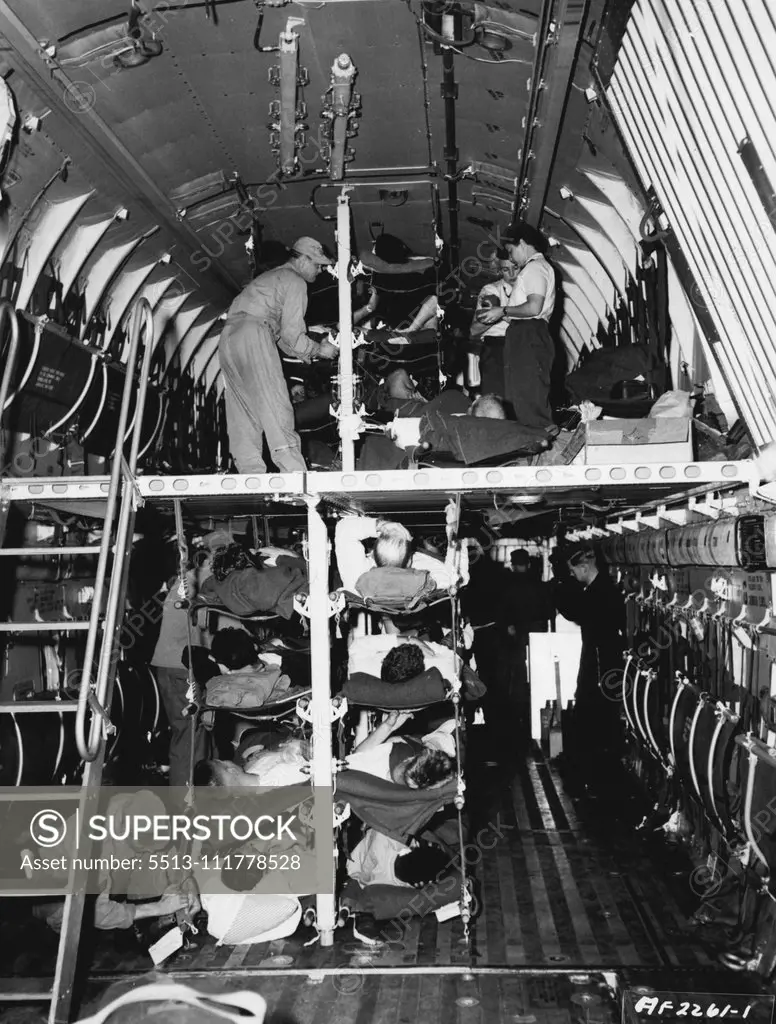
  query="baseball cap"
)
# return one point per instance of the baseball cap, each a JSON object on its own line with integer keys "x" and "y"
{"x": 310, "y": 247}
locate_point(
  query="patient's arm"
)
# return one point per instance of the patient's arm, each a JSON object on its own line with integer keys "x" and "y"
{"x": 384, "y": 730}
{"x": 366, "y": 311}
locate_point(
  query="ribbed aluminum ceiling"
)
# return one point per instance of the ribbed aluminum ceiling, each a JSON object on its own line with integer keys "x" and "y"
{"x": 695, "y": 80}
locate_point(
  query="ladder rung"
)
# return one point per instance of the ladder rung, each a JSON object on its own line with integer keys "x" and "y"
{"x": 42, "y": 627}
{"x": 39, "y": 706}
{"x": 49, "y": 552}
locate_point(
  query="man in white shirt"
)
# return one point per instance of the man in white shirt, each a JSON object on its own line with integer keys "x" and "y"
{"x": 494, "y": 294}
{"x": 393, "y": 547}
{"x": 529, "y": 350}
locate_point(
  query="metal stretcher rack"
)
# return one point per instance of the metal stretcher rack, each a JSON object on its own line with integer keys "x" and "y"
{"x": 314, "y": 495}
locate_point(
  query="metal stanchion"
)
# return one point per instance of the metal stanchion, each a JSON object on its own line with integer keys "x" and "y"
{"x": 346, "y": 409}
{"x": 320, "y": 707}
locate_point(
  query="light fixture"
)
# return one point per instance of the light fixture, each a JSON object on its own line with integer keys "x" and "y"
{"x": 565, "y": 192}
{"x": 121, "y": 214}
{"x": 165, "y": 258}
{"x": 493, "y": 41}
{"x": 591, "y": 95}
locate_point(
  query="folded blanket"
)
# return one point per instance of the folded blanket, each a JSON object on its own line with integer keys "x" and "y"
{"x": 471, "y": 439}
{"x": 248, "y": 689}
{"x": 370, "y": 691}
{"x": 396, "y": 811}
{"x": 248, "y": 591}
{"x": 392, "y": 587}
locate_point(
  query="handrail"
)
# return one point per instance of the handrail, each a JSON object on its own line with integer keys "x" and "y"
{"x": 681, "y": 683}
{"x": 143, "y": 319}
{"x": 122, "y": 473}
{"x": 7, "y": 310}
{"x": 723, "y": 715}
{"x": 625, "y": 688}
{"x": 702, "y": 700}
{"x": 651, "y": 677}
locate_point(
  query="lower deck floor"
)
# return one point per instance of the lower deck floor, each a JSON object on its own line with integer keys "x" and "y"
{"x": 567, "y": 889}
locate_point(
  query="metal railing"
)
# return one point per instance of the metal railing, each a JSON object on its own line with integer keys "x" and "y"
{"x": 122, "y": 501}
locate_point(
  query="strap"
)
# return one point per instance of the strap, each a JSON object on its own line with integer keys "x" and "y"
{"x": 240, "y": 1007}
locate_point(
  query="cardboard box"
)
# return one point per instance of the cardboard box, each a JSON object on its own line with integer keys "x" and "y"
{"x": 612, "y": 442}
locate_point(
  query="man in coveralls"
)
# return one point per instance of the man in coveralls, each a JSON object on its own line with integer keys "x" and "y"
{"x": 529, "y": 351}
{"x": 269, "y": 314}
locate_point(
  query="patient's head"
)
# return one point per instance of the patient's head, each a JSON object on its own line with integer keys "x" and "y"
{"x": 401, "y": 663}
{"x": 489, "y": 302}
{"x": 393, "y": 546}
{"x": 488, "y": 407}
{"x": 427, "y": 770}
{"x": 234, "y": 649}
{"x": 399, "y": 385}
{"x": 230, "y": 559}
{"x": 422, "y": 865}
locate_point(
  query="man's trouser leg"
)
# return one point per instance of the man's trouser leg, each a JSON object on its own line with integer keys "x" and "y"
{"x": 173, "y": 684}
{"x": 492, "y": 366}
{"x": 246, "y": 439}
{"x": 528, "y": 357}
{"x": 254, "y": 375}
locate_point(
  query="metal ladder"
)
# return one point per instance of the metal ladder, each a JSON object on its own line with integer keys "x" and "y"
{"x": 102, "y": 630}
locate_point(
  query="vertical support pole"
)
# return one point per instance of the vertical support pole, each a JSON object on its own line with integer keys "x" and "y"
{"x": 320, "y": 664}
{"x": 345, "y": 333}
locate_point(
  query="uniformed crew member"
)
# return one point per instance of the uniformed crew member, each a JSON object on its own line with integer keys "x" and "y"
{"x": 529, "y": 351}
{"x": 269, "y": 314}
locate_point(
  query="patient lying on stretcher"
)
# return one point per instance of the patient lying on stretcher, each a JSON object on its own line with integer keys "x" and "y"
{"x": 245, "y": 585}
{"x": 245, "y": 681}
{"x": 481, "y": 433}
{"x": 425, "y": 763}
{"x": 283, "y": 765}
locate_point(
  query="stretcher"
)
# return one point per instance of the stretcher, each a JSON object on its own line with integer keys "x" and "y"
{"x": 274, "y": 711}
{"x": 370, "y": 605}
{"x": 198, "y": 606}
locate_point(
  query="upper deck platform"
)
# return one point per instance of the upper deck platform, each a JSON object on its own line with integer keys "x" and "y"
{"x": 620, "y": 487}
